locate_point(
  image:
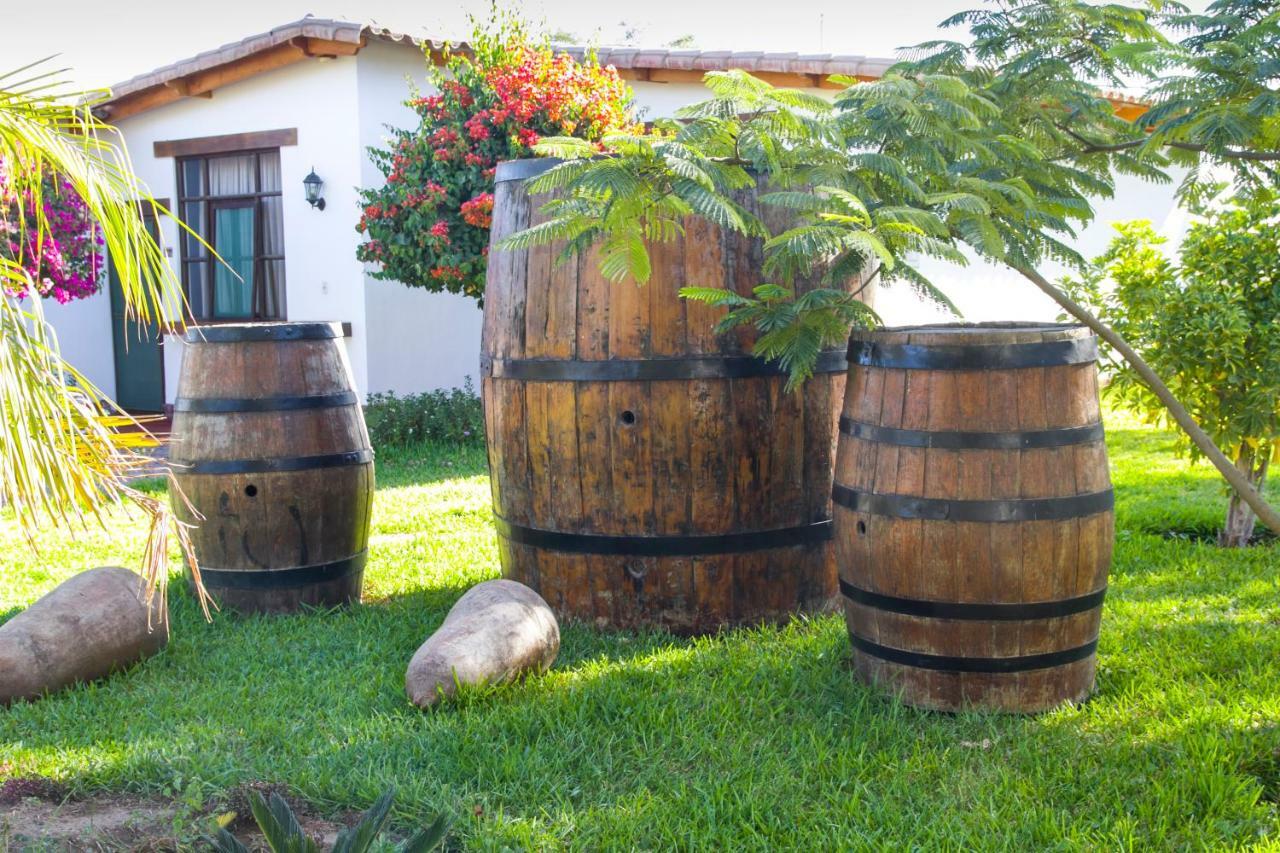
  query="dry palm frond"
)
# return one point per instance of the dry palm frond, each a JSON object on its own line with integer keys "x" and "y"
{"x": 67, "y": 454}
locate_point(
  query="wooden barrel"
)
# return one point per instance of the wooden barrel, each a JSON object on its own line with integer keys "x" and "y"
{"x": 270, "y": 447}
{"x": 646, "y": 471}
{"x": 973, "y": 514}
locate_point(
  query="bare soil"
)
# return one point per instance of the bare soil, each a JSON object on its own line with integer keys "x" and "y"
{"x": 36, "y": 816}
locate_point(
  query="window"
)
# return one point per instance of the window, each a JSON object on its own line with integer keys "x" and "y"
{"x": 233, "y": 202}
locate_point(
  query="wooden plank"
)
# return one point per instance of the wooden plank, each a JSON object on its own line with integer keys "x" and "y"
{"x": 226, "y": 143}
{"x": 703, "y": 267}
{"x": 711, "y": 508}
{"x": 632, "y": 514}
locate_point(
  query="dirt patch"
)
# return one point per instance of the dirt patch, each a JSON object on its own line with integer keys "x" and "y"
{"x": 110, "y": 823}
{"x": 100, "y": 824}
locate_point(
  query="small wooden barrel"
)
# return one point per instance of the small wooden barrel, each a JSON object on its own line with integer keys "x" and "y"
{"x": 269, "y": 446}
{"x": 973, "y": 513}
{"x": 645, "y": 471}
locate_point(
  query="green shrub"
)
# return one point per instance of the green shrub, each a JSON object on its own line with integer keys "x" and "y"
{"x": 448, "y": 416}
{"x": 1207, "y": 321}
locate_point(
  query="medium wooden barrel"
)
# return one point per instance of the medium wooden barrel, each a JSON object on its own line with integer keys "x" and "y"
{"x": 973, "y": 513}
{"x": 269, "y": 446}
{"x": 645, "y": 471}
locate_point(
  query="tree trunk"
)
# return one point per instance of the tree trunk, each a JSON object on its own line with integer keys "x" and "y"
{"x": 1238, "y": 529}
{"x": 1237, "y": 479}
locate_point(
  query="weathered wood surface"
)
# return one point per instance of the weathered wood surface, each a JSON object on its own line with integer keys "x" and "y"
{"x": 286, "y": 514}
{"x": 975, "y": 562}
{"x": 663, "y": 458}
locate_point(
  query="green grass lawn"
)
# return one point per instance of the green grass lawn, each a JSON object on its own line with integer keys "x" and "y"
{"x": 755, "y": 738}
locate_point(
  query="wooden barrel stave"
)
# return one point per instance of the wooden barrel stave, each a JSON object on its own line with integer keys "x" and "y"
{"x": 270, "y": 448}
{"x": 974, "y": 562}
{"x": 703, "y": 455}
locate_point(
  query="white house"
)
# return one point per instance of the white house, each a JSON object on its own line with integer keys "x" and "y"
{"x": 225, "y": 139}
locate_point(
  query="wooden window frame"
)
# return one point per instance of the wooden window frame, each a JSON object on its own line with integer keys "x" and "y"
{"x": 231, "y": 143}
{"x": 208, "y": 203}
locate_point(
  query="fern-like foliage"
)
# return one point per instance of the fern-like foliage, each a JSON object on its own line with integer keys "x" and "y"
{"x": 284, "y": 834}
{"x": 994, "y": 146}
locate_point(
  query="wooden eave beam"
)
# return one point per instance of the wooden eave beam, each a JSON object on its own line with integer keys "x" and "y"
{"x": 201, "y": 84}
{"x": 328, "y": 49}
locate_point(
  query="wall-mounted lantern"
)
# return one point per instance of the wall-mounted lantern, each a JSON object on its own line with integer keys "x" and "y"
{"x": 312, "y": 183}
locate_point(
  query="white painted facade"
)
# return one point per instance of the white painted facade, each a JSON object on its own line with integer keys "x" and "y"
{"x": 405, "y": 339}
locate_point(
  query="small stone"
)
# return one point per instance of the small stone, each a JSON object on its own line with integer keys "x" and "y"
{"x": 86, "y": 628}
{"x": 497, "y": 631}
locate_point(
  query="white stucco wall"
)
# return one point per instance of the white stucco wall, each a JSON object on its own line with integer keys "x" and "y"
{"x": 82, "y": 327}
{"x": 417, "y": 340}
{"x": 987, "y": 291}
{"x": 323, "y": 280}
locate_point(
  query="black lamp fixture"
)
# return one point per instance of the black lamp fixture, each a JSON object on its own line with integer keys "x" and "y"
{"x": 312, "y": 183}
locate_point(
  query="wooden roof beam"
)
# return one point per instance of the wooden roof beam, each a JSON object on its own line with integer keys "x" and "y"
{"x": 326, "y": 49}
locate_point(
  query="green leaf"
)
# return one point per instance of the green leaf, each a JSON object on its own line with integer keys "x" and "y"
{"x": 427, "y": 838}
{"x": 359, "y": 838}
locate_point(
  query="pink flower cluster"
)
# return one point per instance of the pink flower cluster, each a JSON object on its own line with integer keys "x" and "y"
{"x": 66, "y": 263}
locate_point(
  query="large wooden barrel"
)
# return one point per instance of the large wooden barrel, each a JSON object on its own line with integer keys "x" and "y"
{"x": 270, "y": 447}
{"x": 973, "y": 513}
{"x": 645, "y": 471}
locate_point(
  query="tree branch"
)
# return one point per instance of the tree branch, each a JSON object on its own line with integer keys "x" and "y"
{"x": 1110, "y": 148}
{"x": 1238, "y": 481}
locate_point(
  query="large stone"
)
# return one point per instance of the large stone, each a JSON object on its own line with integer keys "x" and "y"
{"x": 86, "y": 628}
{"x": 496, "y": 632}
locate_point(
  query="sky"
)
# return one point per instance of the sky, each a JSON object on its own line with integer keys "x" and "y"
{"x": 108, "y": 42}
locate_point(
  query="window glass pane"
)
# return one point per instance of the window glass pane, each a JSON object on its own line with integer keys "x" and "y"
{"x": 193, "y": 215}
{"x": 273, "y": 226}
{"x": 233, "y": 231}
{"x": 273, "y": 289}
{"x": 198, "y": 289}
{"x": 269, "y": 163}
{"x": 192, "y": 177}
{"x": 232, "y": 175}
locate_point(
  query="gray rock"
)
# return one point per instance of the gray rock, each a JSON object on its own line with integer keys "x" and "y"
{"x": 86, "y": 628}
{"x": 497, "y": 631}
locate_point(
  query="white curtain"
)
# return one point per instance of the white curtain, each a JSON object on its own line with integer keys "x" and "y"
{"x": 232, "y": 175}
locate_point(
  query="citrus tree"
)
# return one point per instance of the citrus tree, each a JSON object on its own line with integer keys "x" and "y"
{"x": 993, "y": 145}
{"x": 1208, "y": 322}
{"x": 64, "y": 459}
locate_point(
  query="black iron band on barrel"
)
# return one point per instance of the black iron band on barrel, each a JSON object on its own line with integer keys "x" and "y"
{"x": 647, "y": 369}
{"x": 282, "y": 578}
{"x": 664, "y": 546}
{"x": 222, "y": 405}
{"x": 942, "y": 509}
{"x": 948, "y": 663}
{"x": 973, "y": 611}
{"x": 238, "y": 333}
{"x": 974, "y": 356}
{"x": 275, "y": 465}
{"x": 528, "y": 167}
{"x": 962, "y": 440}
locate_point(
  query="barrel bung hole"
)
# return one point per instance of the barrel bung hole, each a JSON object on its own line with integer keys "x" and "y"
{"x": 251, "y": 490}
{"x": 627, "y": 418}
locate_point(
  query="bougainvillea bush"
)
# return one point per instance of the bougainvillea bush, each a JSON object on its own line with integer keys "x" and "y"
{"x": 65, "y": 264}
{"x": 428, "y": 225}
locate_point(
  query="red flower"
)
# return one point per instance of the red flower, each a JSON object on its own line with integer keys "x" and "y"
{"x": 484, "y": 110}
{"x": 478, "y": 211}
